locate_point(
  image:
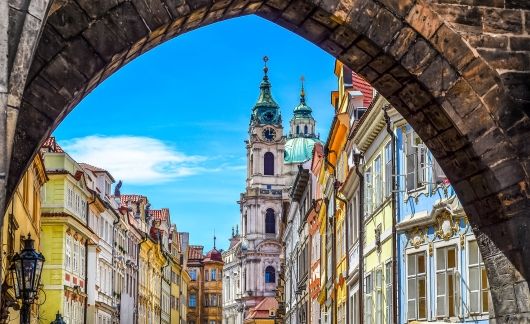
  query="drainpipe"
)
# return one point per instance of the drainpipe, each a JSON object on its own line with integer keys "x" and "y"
{"x": 333, "y": 238}
{"x": 357, "y": 158}
{"x": 394, "y": 214}
{"x": 346, "y": 233}
{"x": 138, "y": 276}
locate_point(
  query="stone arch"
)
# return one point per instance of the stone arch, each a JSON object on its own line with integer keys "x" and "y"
{"x": 475, "y": 124}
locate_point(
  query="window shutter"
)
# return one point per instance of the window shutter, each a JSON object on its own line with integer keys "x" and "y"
{"x": 410, "y": 153}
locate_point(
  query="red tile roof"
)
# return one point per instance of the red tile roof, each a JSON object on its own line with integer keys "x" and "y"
{"x": 195, "y": 252}
{"x": 366, "y": 89}
{"x": 262, "y": 310}
{"x": 52, "y": 146}
{"x": 159, "y": 214}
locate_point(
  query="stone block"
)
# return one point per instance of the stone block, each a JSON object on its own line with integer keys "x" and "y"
{"x": 399, "y": 8}
{"x": 488, "y": 41}
{"x": 453, "y": 47}
{"x": 343, "y": 36}
{"x": 438, "y": 77}
{"x": 463, "y": 98}
{"x": 355, "y": 58}
{"x": 128, "y": 23}
{"x": 382, "y": 63}
{"x": 324, "y": 18}
{"x": 402, "y": 41}
{"x": 383, "y": 28}
{"x": 414, "y": 96}
{"x": 500, "y": 21}
{"x": 331, "y": 47}
{"x": 517, "y": 84}
{"x": 418, "y": 57}
{"x": 387, "y": 85}
{"x": 424, "y": 20}
{"x": 70, "y": 20}
{"x": 297, "y": 12}
{"x": 104, "y": 40}
{"x": 369, "y": 74}
{"x": 437, "y": 117}
{"x": 96, "y": 8}
{"x": 83, "y": 57}
{"x": 50, "y": 43}
{"x": 368, "y": 46}
{"x": 506, "y": 60}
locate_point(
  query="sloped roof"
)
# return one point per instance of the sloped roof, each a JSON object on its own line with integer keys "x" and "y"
{"x": 195, "y": 252}
{"x": 159, "y": 214}
{"x": 51, "y": 144}
{"x": 262, "y": 310}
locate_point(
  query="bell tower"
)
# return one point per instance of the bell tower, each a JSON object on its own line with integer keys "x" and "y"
{"x": 261, "y": 203}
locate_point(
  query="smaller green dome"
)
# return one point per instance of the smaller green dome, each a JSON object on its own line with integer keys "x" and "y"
{"x": 299, "y": 149}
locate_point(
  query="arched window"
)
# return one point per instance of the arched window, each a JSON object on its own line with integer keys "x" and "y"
{"x": 268, "y": 163}
{"x": 270, "y": 275}
{"x": 297, "y": 129}
{"x": 270, "y": 222}
{"x": 305, "y": 129}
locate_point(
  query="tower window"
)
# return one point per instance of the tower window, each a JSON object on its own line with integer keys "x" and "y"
{"x": 268, "y": 163}
{"x": 305, "y": 129}
{"x": 270, "y": 222}
{"x": 270, "y": 275}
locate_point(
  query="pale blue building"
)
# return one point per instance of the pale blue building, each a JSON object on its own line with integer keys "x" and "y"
{"x": 441, "y": 274}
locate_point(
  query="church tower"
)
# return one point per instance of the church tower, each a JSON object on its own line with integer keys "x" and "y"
{"x": 261, "y": 203}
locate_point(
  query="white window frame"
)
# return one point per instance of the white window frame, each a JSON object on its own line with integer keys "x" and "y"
{"x": 415, "y": 275}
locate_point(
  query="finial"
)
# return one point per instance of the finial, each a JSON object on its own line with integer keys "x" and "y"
{"x": 265, "y": 68}
{"x": 302, "y": 91}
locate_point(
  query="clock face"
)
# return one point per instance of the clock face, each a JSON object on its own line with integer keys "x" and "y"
{"x": 269, "y": 134}
{"x": 268, "y": 116}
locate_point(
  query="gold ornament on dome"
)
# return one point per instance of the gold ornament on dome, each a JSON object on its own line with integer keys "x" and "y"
{"x": 417, "y": 237}
{"x": 446, "y": 226}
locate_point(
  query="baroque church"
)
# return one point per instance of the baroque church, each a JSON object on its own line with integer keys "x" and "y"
{"x": 253, "y": 261}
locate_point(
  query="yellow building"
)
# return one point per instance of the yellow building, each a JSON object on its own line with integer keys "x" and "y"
{"x": 65, "y": 235}
{"x": 372, "y": 139}
{"x": 152, "y": 260}
{"x": 22, "y": 218}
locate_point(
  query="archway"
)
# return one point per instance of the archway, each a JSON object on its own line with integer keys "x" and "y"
{"x": 472, "y": 120}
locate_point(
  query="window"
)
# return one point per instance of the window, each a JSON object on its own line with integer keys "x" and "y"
{"x": 368, "y": 290}
{"x": 379, "y": 296}
{"x": 416, "y": 286}
{"x": 388, "y": 169}
{"x": 268, "y": 164}
{"x": 447, "y": 287}
{"x": 416, "y": 161}
{"x": 270, "y": 275}
{"x": 193, "y": 274}
{"x": 478, "y": 281}
{"x": 378, "y": 182}
{"x": 388, "y": 284}
{"x": 368, "y": 189}
{"x": 193, "y": 300}
{"x": 270, "y": 221}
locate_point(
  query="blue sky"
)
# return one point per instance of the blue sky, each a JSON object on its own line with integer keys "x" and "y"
{"x": 171, "y": 124}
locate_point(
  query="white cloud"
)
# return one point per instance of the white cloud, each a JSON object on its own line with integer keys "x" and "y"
{"x": 135, "y": 159}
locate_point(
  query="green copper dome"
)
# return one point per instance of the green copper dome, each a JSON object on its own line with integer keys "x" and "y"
{"x": 299, "y": 149}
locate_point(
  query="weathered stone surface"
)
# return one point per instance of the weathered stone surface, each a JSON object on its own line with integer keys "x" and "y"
{"x": 456, "y": 69}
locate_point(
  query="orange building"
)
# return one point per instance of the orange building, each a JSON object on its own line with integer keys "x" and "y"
{"x": 206, "y": 286}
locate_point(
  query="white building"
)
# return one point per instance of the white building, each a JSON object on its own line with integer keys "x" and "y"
{"x": 272, "y": 164}
{"x": 232, "y": 308}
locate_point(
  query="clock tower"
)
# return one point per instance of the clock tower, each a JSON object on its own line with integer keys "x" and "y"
{"x": 261, "y": 203}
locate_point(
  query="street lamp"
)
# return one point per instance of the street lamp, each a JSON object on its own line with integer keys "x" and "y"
{"x": 58, "y": 319}
{"x": 26, "y": 269}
